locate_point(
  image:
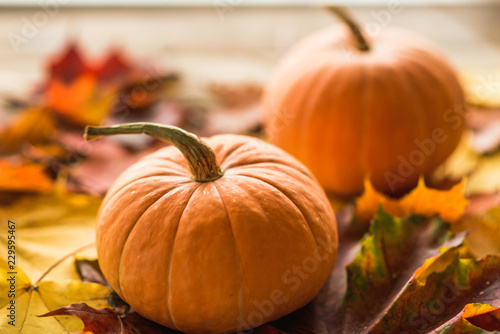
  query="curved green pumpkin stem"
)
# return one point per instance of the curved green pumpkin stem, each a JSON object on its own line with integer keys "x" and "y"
{"x": 201, "y": 158}
{"x": 359, "y": 38}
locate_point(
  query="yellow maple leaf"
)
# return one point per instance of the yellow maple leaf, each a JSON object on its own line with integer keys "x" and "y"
{"x": 436, "y": 264}
{"x": 18, "y": 312}
{"x": 481, "y": 170}
{"x": 33, "y": 125}
{"x": 448, "y": 204}
{"x": 472, "y": 310}
{"x": 48, "y": 227}
{"x": 82, "y": 101}
{"x": 48, "y": 232}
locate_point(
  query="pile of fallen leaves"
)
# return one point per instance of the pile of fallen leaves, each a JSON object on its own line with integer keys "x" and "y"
{"x": 427, "y": 262}
{"x": 41, "y": 135}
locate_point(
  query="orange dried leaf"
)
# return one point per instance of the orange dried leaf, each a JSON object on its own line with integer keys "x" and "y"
{"x": 477, "y": 86}
{"x": 68, "y": 65}
{"x": 448, "y": 204}
{"x": 34, "y": 297}
{"x": 32, "y": 126}
{"x": 82, "y": 101}
{"x": 24, "y": 178}
{"x": 483, "y": 316}
{"x": 368, "y": 203}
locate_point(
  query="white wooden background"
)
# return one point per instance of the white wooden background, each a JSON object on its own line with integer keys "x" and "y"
{"x": 226, "y": 41}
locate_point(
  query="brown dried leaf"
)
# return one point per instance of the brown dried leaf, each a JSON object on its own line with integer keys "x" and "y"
{"x": 68, "y": 65}
{"x": 448, "y": 204}
{"x": 97, "y": 321}
{"x": 483, "y": 316}
{"x": 33, "y": 126}
{"x": 81, "y": 101}
{"x": 107, "y": 321}
{"x": 24, "y": 178}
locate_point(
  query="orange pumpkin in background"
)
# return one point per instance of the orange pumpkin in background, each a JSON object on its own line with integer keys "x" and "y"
{"x": 390, "y": 107}
{"x": 213, "y": 241}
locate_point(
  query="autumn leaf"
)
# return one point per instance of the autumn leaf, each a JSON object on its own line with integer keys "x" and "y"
{"x": 83, "y": 92}
{"x": 485, "y": 178}
{"x": 142, "y": 89}
{"x": 68, "y": 65}
{"x": 466, "y": 322}
{"x": 114, "y": 67}
{"x": 388, "y": 256}
{"x": 50, "y": 230}
{"x": 408, "y": 273}
{"x": 443, "y": 294}
{"x": 481, "y": 170}
{"x": 476, "y": 318}
{"x": 448, "y": 204}
{"x": 477, "y": 156}
{"x": 107, "y": 321}
{"x": 460, "y": 163}
{"x": 24, "y": 178}
{"x": 101, "y": 321}
{"x": 49, "y": 226}
{"x": 42, "y": 296}
{"x": 383, "y": 284}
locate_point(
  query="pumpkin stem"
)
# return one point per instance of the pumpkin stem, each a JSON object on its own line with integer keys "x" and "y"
{"x": 359, "y": 37}
{"x": 201, "y": 158}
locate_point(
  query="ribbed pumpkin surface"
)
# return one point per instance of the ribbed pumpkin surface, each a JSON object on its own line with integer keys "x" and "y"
{"x": 203, "y": 257}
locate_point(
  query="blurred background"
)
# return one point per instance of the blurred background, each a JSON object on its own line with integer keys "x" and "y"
{"x": 225, "y": 40}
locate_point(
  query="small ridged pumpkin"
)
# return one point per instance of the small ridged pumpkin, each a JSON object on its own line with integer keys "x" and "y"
{"x": 391, "y": 108}
{"x": 216, "y": 236}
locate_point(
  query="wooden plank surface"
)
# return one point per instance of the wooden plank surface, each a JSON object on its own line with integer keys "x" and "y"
{"x": 225, "y": 42}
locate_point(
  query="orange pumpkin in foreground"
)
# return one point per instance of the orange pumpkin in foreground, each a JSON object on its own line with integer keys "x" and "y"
{"x": 208, "y": 249}
{"x": 390, "y": 107}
